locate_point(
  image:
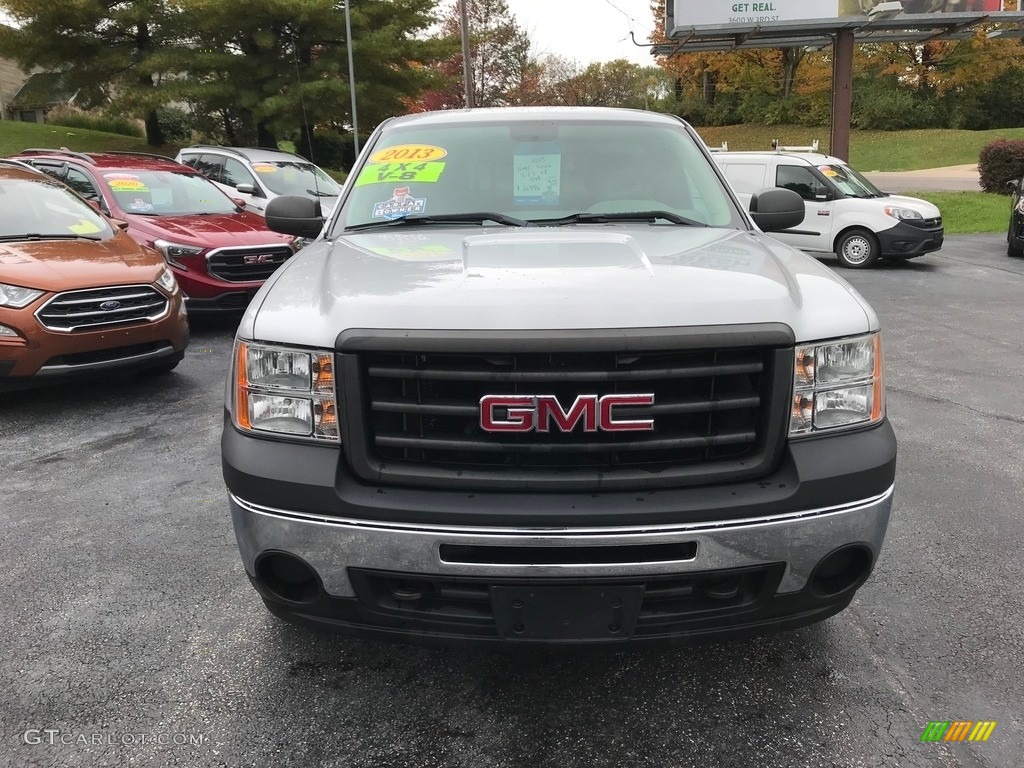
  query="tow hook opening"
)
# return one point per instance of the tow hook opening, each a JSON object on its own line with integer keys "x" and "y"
{"x": 840, "y": 571}
{"x": 288, "y": 577}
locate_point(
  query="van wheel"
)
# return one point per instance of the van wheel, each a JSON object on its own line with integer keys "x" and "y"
{"x": 1013, "y": 251}
{"x": 857, "y": 249}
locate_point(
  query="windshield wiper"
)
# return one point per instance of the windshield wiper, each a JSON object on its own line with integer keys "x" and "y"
{"x": 607, "y": 218}
{"x": 40, "y": 236}
{"x": 444, "y": 218}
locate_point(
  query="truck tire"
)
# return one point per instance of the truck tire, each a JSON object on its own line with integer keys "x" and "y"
{"x": 857, "y": 249}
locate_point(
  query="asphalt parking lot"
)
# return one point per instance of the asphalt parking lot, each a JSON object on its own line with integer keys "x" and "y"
{"x": 128, "y": 621}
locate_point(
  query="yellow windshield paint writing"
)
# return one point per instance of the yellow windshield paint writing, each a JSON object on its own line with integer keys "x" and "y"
{"x": 84, "y": 227}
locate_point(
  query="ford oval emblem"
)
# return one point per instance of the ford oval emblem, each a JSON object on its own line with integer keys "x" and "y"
{"x": 110, "y": 306}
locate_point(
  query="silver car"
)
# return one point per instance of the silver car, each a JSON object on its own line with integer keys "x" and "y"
{"x": 256, "y": 176}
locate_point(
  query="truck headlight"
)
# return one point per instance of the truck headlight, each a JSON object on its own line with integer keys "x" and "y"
{"x": 902, "y": 213}
{"x": 837, "y": 384}
{"x": 284, "y": 391}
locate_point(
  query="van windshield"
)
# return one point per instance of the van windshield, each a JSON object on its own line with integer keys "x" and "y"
{"x": 550, "y": 171}
{"x": 850, "y": 182}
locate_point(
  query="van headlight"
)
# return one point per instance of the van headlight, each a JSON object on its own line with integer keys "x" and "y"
{"x": 284, "y": 391}
{"x": 902, "y": 213}
{"x": 838, "y": 385}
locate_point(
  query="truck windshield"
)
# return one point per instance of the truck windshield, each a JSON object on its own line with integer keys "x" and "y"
{"x": 850, "y": 182}
{"x": 540, "y": 172}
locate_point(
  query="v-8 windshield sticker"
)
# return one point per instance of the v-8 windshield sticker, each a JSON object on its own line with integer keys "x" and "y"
{"x": 396, "y": 173}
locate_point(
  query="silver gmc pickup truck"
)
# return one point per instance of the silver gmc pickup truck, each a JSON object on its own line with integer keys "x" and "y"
{"x": 541, "y": 379}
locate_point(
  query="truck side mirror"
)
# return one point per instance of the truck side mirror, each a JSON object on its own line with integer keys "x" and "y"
{"x": 775, "y": 209}
{"x": 295, "y": 215}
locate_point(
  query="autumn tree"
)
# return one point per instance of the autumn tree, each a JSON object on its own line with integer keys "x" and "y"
{"x": 618, "y": 83}
{"x": 505, "y": 71}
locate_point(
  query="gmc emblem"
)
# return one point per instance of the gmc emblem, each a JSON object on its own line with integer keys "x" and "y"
{"x": 257, "y": 258}
{"x": 535, "y": 413}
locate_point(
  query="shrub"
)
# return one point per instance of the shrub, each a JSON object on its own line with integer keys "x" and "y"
{"x": 1000, "y": 162}
{"x": 882, "y": 106}
{"x": 176, "y": 124}
{"x": 328, "y": 150}
{"x": 72, "y": 117}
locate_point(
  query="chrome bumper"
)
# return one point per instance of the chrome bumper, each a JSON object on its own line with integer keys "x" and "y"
{"x": 331, "y": 545}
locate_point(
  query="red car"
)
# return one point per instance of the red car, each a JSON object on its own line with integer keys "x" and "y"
{"x": 220, "y": 254}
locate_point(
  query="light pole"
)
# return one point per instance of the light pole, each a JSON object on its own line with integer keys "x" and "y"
{"x": 351, "y": 76}
{"x": 467, "y": 68}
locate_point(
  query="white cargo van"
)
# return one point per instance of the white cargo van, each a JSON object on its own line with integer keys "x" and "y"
{"x": 846, "y": 214}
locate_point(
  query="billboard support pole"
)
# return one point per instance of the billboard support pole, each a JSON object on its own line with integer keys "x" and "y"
{"x": 842, "y": 94}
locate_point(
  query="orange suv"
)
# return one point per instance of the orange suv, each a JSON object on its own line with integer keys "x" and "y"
{"x": 77, "y": 294}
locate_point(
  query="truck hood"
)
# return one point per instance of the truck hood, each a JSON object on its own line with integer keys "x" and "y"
{"x": 61, "y": 265}
{"x": 574, "y": 277}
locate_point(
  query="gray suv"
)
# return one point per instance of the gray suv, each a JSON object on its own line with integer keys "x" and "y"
{"x": 257, "y": 176}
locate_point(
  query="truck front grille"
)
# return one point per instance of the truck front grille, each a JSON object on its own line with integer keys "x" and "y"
{"x": 94, "y": 307}
{"x": 715, "y": 414}
{"x": 247, "y": 265}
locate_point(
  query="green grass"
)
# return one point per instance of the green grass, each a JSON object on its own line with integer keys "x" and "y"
{"x": 969, "y": 213}
{"x": 16, "y": 136}
{"x": 869, "y": 150}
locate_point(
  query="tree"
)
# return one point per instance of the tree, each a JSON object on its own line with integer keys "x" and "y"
{"x": 618, "y": 83}
{"x": 117, "y": 43}
{"x": 281, "y": 68}
{"x": 505, "y": 72}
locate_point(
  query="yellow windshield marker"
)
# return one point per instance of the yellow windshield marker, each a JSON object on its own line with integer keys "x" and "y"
{"x": 391, "y": 173}
{"x": 84, "y": 227}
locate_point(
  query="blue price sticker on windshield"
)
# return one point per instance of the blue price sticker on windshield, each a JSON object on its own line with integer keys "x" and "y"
{"x": 537, "y": 174}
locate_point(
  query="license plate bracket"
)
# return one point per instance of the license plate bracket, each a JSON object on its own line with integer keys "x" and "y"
{"x": 566, "y": 613}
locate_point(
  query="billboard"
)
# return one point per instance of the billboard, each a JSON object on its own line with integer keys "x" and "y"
{"x": 701, "y": 13}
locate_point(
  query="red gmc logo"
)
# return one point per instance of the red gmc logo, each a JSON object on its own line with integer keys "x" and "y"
{"x": 536, "y": 413}
{"x": 257, "y": 258}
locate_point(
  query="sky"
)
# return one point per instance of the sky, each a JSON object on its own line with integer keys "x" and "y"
{"x": 587, "y": 30}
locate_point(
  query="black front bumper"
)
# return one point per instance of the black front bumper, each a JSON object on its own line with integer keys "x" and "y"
{"x": 905, "y": 241}
{"x": 687, "y": 618}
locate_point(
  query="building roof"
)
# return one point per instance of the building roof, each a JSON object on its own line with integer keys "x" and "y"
{"x": 42, "y": 89}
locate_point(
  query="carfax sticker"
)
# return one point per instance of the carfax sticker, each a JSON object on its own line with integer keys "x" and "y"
{"x": 408, "y": 152}
{"x": 138, "y": 204}
{"x": 402, "y": 203}
{"x": 380, "y": 173}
